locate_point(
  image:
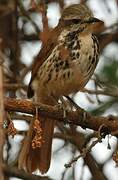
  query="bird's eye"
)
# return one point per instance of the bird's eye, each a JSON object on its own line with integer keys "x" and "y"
{"x": 72, "y": 21}
{"x": 76, "y": 21}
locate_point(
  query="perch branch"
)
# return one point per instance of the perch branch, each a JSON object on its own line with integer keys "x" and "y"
{"x": 79, "y": 117}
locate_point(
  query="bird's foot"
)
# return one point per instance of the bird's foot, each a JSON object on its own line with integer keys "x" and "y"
{"x": 65, "y": 108}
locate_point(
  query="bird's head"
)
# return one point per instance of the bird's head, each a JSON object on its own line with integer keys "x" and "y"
{"x": 79, "y": 14}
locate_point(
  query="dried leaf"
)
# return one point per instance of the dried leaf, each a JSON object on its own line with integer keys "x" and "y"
{"x": 115, "y": 157}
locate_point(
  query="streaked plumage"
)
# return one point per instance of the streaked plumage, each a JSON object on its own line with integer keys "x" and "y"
{"x": 68, "y": 60}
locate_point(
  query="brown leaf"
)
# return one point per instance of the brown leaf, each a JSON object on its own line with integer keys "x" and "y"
{"x": 115, "y": 157}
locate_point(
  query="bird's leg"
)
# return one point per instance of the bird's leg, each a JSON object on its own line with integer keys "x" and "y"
{"x": 65, "y": 106}
{"x": 61, "y": 105}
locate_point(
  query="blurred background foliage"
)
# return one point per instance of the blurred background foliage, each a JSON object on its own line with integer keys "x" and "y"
{"x": 21, "y": 25}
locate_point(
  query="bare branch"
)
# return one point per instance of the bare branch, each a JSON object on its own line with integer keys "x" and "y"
{"x": 2, "y": 136}
{"x": 14, "y": 172}
{"x": 79, "y": 117}
{"x": 101, "y": 92}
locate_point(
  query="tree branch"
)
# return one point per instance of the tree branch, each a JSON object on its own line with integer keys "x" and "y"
{"x": 79, "y": 117}
{"x": 79, "y": 140}
{"x": 14, "y": 172}
{"x": 2, "y": 135}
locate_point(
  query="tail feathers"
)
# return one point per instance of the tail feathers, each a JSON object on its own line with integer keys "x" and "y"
{"x": 45, "y": 151}
{"x": 32, "y": 160}
{"x": 39, "y": 158}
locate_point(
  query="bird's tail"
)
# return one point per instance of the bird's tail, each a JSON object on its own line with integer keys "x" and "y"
{"x": 32, "y": 158}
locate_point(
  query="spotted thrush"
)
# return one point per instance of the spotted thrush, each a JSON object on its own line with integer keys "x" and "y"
{"x": 64, "y": 65}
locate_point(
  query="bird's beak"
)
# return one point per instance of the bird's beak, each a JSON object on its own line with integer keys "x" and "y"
{"x": 95, "y": 25}
{"x": 95, "y": 20}
{"x": 92, "y": 20}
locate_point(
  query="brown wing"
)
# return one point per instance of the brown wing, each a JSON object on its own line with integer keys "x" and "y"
{"x": 44, "y": 53}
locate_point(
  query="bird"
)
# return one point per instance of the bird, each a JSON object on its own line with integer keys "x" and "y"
{"x": 64, "y": 65}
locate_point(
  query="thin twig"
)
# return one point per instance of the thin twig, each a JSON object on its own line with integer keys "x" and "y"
{"x": 26, "y": 14}
{"x": 101, "y": 92}
{"x": 78, "y": 141}
{"x": 2, "y": 135}
{"x": 84, "y": 152}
